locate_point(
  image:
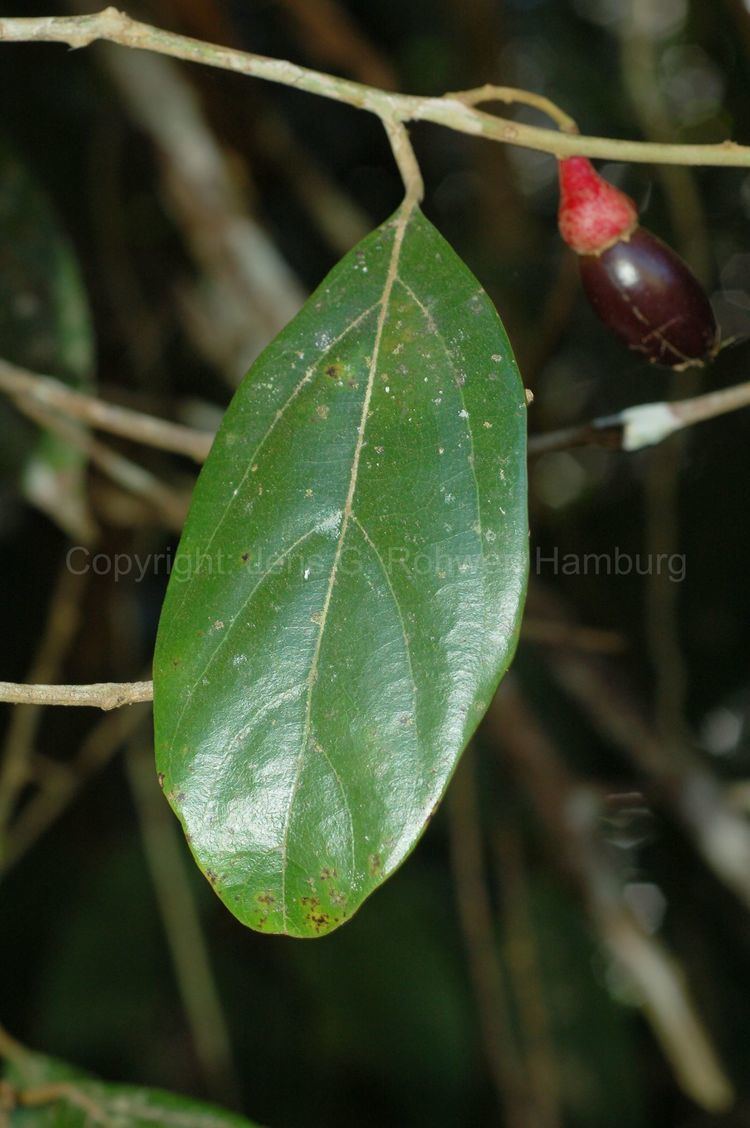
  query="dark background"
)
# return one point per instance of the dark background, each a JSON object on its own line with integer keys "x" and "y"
{"x": 482, "y": 985}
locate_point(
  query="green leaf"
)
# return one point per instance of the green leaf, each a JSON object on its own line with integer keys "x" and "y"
{"x": 349, "y": 584}
{"x": 64, "y": 1097}
{"x": 45, "y": 326}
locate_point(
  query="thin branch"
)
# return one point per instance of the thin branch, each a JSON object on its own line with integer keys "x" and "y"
{"x": 116, "y": 27}
{"x": 122, "y": 421}
{"x": 695, "y": 410}
{"x": 645, "y": 424}
{"x": 511, "y": 96}
{"x": 99, "y": 695}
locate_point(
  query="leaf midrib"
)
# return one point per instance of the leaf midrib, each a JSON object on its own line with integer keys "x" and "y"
{"x": 390, "y": 279}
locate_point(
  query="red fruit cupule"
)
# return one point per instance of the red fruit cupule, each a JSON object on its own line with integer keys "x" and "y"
{"x": 593, "y": 214}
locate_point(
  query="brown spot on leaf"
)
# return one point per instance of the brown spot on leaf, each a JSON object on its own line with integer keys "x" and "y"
{"x": 160, "y": 779}
{"x": 321, "y": 922}
{"x": 375, "y": 863}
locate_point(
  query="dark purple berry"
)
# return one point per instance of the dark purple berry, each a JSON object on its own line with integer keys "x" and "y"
{"x": 648, "y": 296}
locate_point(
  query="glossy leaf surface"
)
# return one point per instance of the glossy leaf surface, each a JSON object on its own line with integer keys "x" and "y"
{"x": 349, "y": 584}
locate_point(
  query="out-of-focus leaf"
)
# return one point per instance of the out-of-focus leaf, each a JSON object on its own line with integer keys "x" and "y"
{"x": 45, "y": 326}
{"x": 64, "y": 1097}
{"x": 348, "y": 589}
